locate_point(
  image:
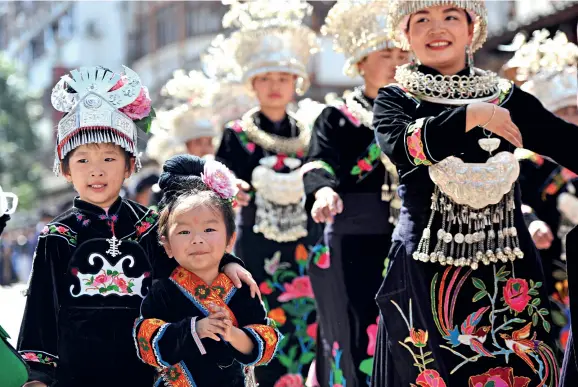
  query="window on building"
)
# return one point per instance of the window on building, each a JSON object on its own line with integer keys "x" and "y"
{"x": 37, "y": 45}
{"x": 204, "y": 17}
{"x": 167, "y": 27}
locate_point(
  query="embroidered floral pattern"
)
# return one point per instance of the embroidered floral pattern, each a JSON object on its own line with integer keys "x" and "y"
{"x": 145, "y": 224}
{"x": 366, "y": 366}
{"x": 415, "y": 143}
{"x": 498, "y": 377}
{"x": 556, "y": 181}
{"x": 367, "y": 163}
{"x": 178, "y": 376}
{"x": 292, "y": 288}
{"x": 430, "y": 378}
{"x": 317, "y": 164}
{"x": 147, "y": 331}
{"x": 321, "y": 256}
{"x": 483, "y": 332}
{"x": 60, "y": 230}
{"x": 39, "y": 357}
{"x": 109, "y": 281}
{"x": 237, "y": 127}
{"x": 202, "y": 295}
{"x": 270, "y": 337}
{"x": 561, "y": 316}
{"x": 336, "y": 374}
{"x": 290, "y": 380}
{"x": 347, "y": 113}
{"x": 81, "y": 218}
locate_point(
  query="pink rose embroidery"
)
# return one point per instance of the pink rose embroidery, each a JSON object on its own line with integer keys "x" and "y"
{"x": 218, "y": 178}
{"x": 516, "y": 294}
{"x": 61, "y": 229}
{"x": 290, "y": 380}
{"x": 250, "y": 147}
{"x": 299, "y": 287}
{"x": 30, "y": 356}
{"x": 121, "y": 283}
{"x": 101, "y": 279}
{"x": 430, "y": 378}
{"x": 415, "y": 144}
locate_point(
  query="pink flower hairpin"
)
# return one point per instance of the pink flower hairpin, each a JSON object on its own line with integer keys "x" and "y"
{"x": 219, "y": 179}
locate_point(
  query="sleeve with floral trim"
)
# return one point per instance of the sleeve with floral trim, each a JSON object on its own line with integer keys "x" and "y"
{"x": 409, "y": 140}
{"x": 323, "y": 159}
{"x": 37, "y": 341}
{"x": 252, "y": 318}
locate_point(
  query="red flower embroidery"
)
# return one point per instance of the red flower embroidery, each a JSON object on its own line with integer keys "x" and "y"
{"x": 323, "y": 261}
{"x": 372, "y": 335}
{"x": 349, "y": 115}
{"x": 312, "y": 330}
{"x": 415, "y": 144}
{"x": 364, "y": 165}
{"x": 279, "y": 165}
{"x": 121, "y": 283}
{"x": 430, "y": 378}
{"x": 102, "y": 279}
{"x": 45, "y": 230}
{"x": 265, "y": 288}
{"x": 418, "y": 337}
{"x": 299, "y": 287}
{"x": 498, "y": 377}
{"x": 516, "y": 294}
{"x": 237, "y": 128}
{"x": 301, "y": 254}
{"x": 290, "y": 380}
{"x": 250, "y": 147}
{"x": 74, "y": 271}
{"x": 30, "y": 356}
{"x": 61, "y": 229}
{"x": 142, "y": 228}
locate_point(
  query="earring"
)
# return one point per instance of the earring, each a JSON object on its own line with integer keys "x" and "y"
{"x": 413, "y": 62}
{"x": 361, "y": 72}
{"x": 470, "y": 59}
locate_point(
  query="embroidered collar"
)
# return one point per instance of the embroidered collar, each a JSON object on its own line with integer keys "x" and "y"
{"x": 460, "y": 89}
{"x": 87, "y": 207}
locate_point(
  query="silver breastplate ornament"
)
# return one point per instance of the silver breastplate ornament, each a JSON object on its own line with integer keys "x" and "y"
{"x": 279, "y": 198}
{"x": 476, "y": 204}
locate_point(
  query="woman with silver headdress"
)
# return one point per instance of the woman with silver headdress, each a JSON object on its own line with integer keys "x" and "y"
{"x": 463, "y": 301}
{"x": 347, "y": 183}
{"x": 547, "y": 67}
{"x": 264, "y": 149}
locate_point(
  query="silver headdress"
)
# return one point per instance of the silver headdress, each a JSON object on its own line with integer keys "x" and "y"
{"x": 270, "y": 36}
{"x": 549, "y": 67}
{"x": 401, "y": 10}
{"x": 191, "y": 96}
{"x": 232, "y": 98}
{"x": 359, "y": 27}
{"x": 101, "y": 107}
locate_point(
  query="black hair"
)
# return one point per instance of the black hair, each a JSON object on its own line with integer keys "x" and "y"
{"x": 180, "y": 181}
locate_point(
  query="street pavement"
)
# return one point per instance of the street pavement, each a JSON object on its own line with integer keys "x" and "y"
{"x": 11, "y": 309}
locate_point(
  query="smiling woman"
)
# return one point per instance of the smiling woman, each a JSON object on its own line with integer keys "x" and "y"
{"x": 459, "y": 308}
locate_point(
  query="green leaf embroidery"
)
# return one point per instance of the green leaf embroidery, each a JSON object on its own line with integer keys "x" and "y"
{"x": 479, "y": 295}
{"x": 356, "y": 170}
{"x": 546, "y": 325}
{"x": 374, "y": 152}
{"x": 306, "y": 357}
{"x": 292, "y": 352}
{"x": 538, "y": 285}
{"x": 108, "y": 272}
{"x": 284, "y": 360}
{"x": 115, "y": 273}
{"x": 478, "y": 283}
{"x": 102, "y": 290}
{"x": 535, "y": 320}
{"x": 366, "y": 366}
{"x": 558, "y": 318}
{"x": 544, "y": 312}
{"x": 536, "y": 301}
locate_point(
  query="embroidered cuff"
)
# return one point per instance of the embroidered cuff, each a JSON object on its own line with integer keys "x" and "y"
{"x": 268, "y": 339}
{"x": 149, "y": 334}
{"x": 317, "y": 164}
{"x": 39, "y": 357}
{"x": 415, "y": 143}
{"x": 196, "y": 336}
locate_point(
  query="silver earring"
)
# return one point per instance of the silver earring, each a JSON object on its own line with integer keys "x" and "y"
{"x": 470, "y": 59}
{"x": 361, "y": 72}
{"x": 413, "y": 63}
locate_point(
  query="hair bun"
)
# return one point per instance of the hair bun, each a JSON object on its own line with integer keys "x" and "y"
{"x": 180, "y": 173}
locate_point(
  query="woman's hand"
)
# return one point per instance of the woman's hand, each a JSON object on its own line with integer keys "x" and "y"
{"x": 494, "y": 118}
{"x": 541, "y": 234}
{"x": 327, "y": 205}
{"x": 238, "y": 273}
{"x": 243, "y": 198}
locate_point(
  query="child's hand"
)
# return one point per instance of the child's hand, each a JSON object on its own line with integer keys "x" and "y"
{"x": 217, "y": 310}
{"x": 213, "y": 325}
{"x": 237, "y": 274}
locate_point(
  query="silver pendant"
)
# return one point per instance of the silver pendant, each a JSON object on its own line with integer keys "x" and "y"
{"x": 489, "y": 144}
{"x": 114, "y": 243}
